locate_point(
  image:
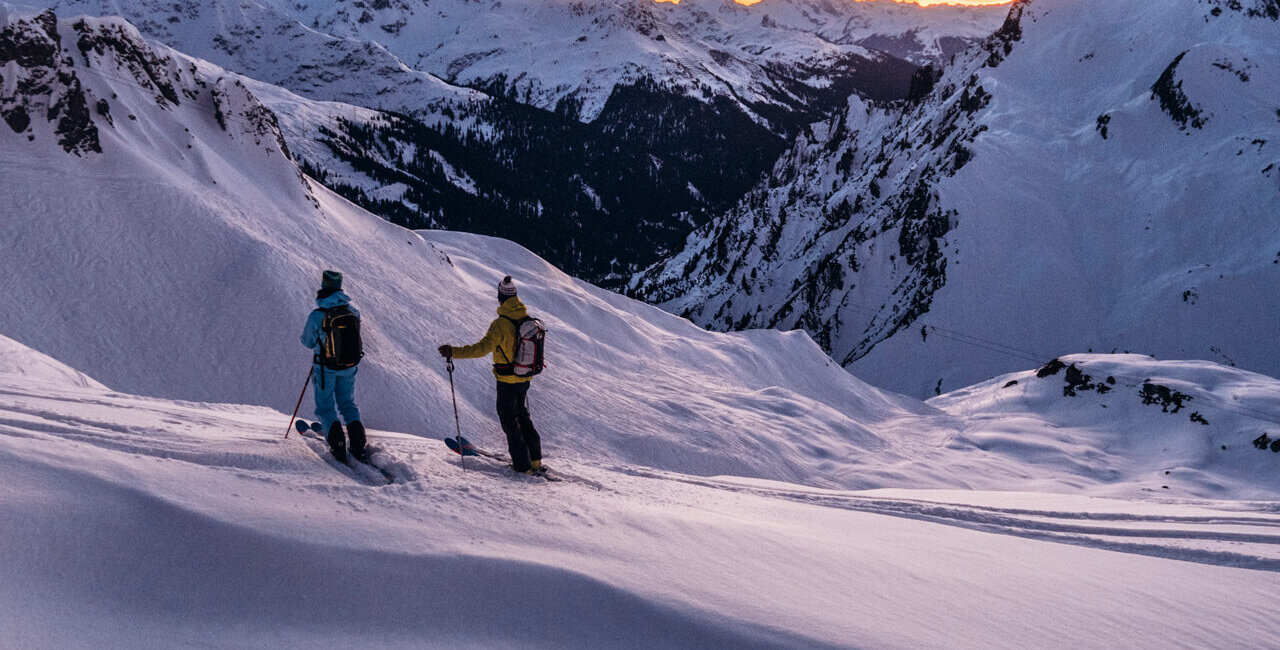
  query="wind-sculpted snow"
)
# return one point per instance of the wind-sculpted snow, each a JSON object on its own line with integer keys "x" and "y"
{"x": 17, "y": 360}
{"x": 200, "y": 524}
{"x": 1063, "y": 188}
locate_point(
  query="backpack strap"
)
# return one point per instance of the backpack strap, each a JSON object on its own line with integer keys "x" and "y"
{"x": 516, "y": 324}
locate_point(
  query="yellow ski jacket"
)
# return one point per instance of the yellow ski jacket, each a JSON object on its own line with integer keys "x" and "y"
{"x": 500, "y": 340}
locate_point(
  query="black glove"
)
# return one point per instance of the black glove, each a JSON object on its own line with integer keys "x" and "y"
{"x": 445, "y": 351}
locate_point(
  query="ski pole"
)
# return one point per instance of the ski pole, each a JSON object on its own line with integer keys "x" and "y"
{"x": 456, "y": 423}
{"x": 299, "y": 404}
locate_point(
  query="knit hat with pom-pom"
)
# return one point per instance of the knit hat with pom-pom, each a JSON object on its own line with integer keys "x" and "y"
{"x": 506, "y": 289}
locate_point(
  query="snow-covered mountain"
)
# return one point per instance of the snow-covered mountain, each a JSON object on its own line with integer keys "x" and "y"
{"x": 767, "y": 58}
{"x": 566, "y": 56}
{"x": 160, "y": 250}
{"x": 613, "y": 128}
{"x": 1099, "y": 176}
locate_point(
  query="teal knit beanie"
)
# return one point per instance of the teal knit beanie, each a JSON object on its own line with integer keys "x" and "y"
{"x": 331, "y": 280}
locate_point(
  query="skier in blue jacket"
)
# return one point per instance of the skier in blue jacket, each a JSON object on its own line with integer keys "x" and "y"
{"x": 334, "y": 386}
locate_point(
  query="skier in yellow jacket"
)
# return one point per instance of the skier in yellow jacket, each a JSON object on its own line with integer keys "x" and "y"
{"x": 513, "y": 411}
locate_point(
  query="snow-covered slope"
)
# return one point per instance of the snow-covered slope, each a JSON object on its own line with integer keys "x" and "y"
{"x": 180, "y": 261}
{"x": 139, "y": 522}
{"x": 1124, "y": 424}
{"x": 1099, "y": 177}
{"x": 263, "y": 41}
{"x": 21, "y": 363}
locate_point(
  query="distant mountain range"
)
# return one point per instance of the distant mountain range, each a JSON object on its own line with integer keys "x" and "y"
{"x": 1096, "y": 176}
{"x": 598, "y": 134}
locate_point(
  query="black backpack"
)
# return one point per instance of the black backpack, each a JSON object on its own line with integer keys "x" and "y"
{"x": 340, "y": 346}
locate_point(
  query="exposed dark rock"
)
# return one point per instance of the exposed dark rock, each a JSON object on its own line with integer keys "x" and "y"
{"x": 1268, "y": 9}
{"x": 1174, "y": 102}
{"x": 17, "y": 118}
{"x": 1169, "y": 400}
{"x": 1077, "y": 380}
{"x": 45, "y": 83}
{"x": 1050, "y": 369}
{"x": 922, "y": 83}
{"x": 74, "y": 127}
{"x": 1000, "y": 44}
{"x": 130, "y": 53}
{"x": 28, "y": 47}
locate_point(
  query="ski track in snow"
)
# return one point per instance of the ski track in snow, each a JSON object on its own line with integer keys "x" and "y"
{"x": 1216, "y": 540}
{"x": 1249, "y": 541}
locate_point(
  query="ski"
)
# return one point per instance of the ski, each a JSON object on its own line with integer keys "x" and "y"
{"x": 314, "y": 431}
{"x": 465, "y": 448}
{"x": 388, "y": 476}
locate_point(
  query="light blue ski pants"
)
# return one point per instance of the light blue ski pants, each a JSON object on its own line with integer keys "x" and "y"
{"x": 335, "y": 388}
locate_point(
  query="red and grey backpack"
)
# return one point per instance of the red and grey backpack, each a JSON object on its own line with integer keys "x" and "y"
{"x": 340, "y": 343}
{"x": 529, "y": 358}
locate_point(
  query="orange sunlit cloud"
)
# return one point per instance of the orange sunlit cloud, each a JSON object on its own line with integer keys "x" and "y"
{"x": 962, "y": 2}
{"x": 924, "y": 3}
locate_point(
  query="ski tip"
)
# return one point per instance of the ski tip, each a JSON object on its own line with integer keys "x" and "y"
{"x": 301, "y": 426}
{"x": 463, "y": 449}
{"x": 315, "y": 426}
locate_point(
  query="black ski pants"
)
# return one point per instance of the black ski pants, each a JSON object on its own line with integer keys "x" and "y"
{"x": 513, "y": 412}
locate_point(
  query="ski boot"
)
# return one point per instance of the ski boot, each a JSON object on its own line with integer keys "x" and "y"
{"x": 337, "y": 442}
{"x": 355, "y": 431}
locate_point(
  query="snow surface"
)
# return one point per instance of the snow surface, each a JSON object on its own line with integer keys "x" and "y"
{"x": 722, "y": 490}
{"x": 140, "y": 522}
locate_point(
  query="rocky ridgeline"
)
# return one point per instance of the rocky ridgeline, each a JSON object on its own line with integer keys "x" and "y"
{"x": 80, "y": 76}
{"x": 39, "y": 82}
